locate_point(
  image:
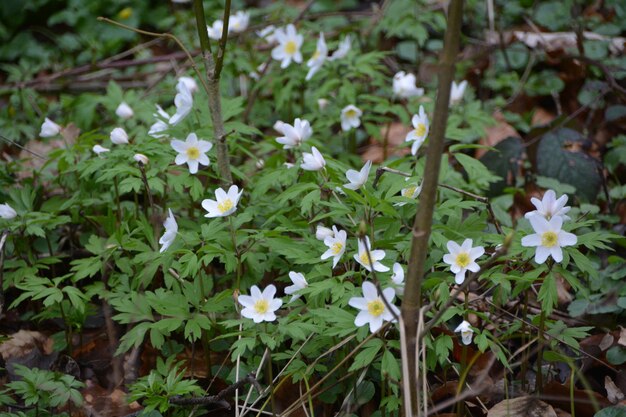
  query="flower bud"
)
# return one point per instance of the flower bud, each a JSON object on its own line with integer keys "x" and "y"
{"x": 7, "y": 212}
{"x": 124, "y": 111}
{"x": 98, "y": 149}
{"x": 49, "y": 129}
{"x": 119, "y": 136}
{"x": 141, "y": 158}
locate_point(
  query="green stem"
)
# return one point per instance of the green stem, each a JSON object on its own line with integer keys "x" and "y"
{"x": 117, "y": 201}
{"x": 233, "y": 238}
{"x": 540, "y": 341}
{"x": 412, "y": 302}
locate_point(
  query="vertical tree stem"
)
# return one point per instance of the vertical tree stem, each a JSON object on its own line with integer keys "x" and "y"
{"x": 423, "y": 219}
{"x": 213, "y": 86}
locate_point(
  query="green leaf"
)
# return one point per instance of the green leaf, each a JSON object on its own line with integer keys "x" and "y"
{"x": 616, "y": 355}
{"x": 556, "y": 160}
{"x": 617, "y": 411}
{"x": 366, "y": 356}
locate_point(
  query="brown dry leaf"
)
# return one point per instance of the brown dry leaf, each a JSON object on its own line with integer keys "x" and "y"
{"x": 22, "y": 342}
{"x": 558, "y": 395}
{"x": 522, "y": 407}
{"x": 607, "y": 341}
{"x": 622, "y": 337}
{"x": 613, "y": 393}
{"x": 395, "y": 134}
{"x": 542, "y": 117}
{"x": 496, "y": 134}
{"x": 562, "y": 289}
{"x": 100, "y": 402}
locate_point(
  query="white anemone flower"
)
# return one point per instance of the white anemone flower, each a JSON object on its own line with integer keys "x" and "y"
{"x": 7, "y": 212}
{"x": 549, "y": 206}
{"x": 374, "y": 310}
{"x": 171, "y": 229}
{"x": 336, "y": 245}
{"x": 192, "y": 152}
{"x": 466, "y": 332}
{"x": 99, "y": 149}
{"x": 299, "y": 282}
{"x": 256, "y": 75}
{"x": 462, "y": 258}
{"x": 319, "y": 57}
{"x": 350, "y": 117}
{"x": 215, "y": 31}
{"x": 267, "y": 33}
{"x": 313, "y": 161}
{"x": 398, "y": 278}
{"x": 141, "y": 158}
{"x": 119, "y": 136}
{"x": 548, "y": 238}
{"x": 161, "y": 125}
{"x": 288, "y": 48}
{"x": 183, "y": 102}
{"x": 294, "y": 135}
{"x": 225, "y": 203}
{"x": 342, "y": 50}
{"x": 239, "y": 21}
{"x": 375, "y": 255}
{"x": 412, "y": 192}
{"x": 404, "y": 85}
{"x": 358, "y": 178}
{"x": 260, "y": 306}
{"x": 191, "y": 84}
{"x": 124, "y": 111}
{"x": 457, "y": 91}
{"x": 322, "y": 232}
{"x": 420, "y": 130}
{"x": 49, "y": 129}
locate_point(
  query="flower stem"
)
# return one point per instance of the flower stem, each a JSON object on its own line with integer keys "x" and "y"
{"x": 233, "y": 238}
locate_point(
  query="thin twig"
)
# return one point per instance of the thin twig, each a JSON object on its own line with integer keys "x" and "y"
{"x": 23, "y": 148}
{"x": 219, "y": 397}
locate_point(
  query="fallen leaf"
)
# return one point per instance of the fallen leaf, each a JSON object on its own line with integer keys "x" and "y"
{"x": 522, "y": 407}
{"x": 496, "y": 134}
{"x": 622, "y": 337}
{"x": 613, "y": 393}
{"x": 607, "y": 341}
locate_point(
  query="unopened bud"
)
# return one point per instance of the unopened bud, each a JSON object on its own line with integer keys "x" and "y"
{"x": 141, "y": 158}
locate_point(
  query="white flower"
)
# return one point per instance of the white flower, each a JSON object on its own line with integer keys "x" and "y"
{"x": 293, "y": 135}
{"x": 171, "y": 229}
{"x": 189, "y": 82}
{"x": 119, "y": 136}
{"x": 124, "y": 111}
{"x": 336, "y": 245}
{"x": 260, "y": 306}
{"x": 466, "y": 332}
{"x": 288, "y": 48}
{"x": 374, "y": 310}
{"x": 215, "y": 31}
{"x": 267, "y": 33}
{"x": 462, "y": 258}
{"x": 224, "y": 203}
{"x": 259, "y": 70}
{"x": 549, "y": 206}
{"x": 342, "y": 50}
{"x": 318, "y": 58}
{"x": 322, "y": 232}
{"x": 376, "y": 256}
{"x": 141, "y": 158}
{"x": 358, "y": 178}
{"x": 548, "y": 238}
{"x": 288, "y": 165}
{"x": 457, "y": 91}
{"x": 239, "y": 21}
{"x": 398, "y": 278}
{"x": 420, "y": 130}
{"x": 98, "y": 149}
{"x": 49, "y": 129}
{"x": 322, "y": 103}
{"x": 7, "y": 212}
{"x": 404, "y": 85}
{"x": 313, "y": 161}
{"x": 183, "y": 102}
{"x": 160, "y": 125}
{"x": 412, "y": 191}
{"x": 350, "y": 117}
{"x": 299, "y": 282}
{"x": 192, "y": 152}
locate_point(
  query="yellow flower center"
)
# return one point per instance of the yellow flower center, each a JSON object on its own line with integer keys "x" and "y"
{"x": 408, "y": 192}
{"x": 336, "y": 248}
{"x": 376, "y": 307}
{"x": 351, "y": 113}
{"x": 125, "y": 13}
{"x": 420, "y": 130}
{"x": 192, "y": 152}
{"x": 316, "y": 54}
{"x": 261, "y": 306}
{"x": 364, "y": 259}
{"x": 225, "y": 205}
{"x": 549, "y": 239}
{"x": 291, "y": 47}
{"x": 463, "y": 259}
